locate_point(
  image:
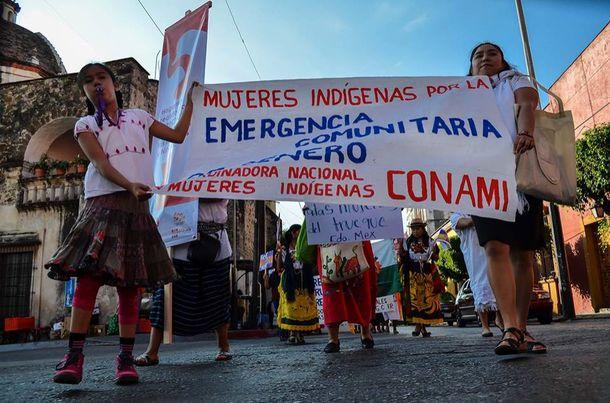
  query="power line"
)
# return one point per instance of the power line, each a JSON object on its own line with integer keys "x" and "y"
{"x": 151, "y": 18}
{"x": 68, "y": 24}
{"x": 242, "y": 39}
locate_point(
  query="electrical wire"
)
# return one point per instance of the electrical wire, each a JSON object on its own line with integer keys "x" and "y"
{"x": 242, "y": 40}
{"x": 151, "y": 18}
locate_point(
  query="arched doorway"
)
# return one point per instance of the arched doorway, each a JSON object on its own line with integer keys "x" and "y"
{"x": 56, "y": 140}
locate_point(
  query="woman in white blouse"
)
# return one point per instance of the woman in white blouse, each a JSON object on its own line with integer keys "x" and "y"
{"x": 510, "y": 246}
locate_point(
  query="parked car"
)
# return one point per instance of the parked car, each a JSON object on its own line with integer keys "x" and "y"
{"x": 465, "y": 305}
{"x": 541, "y": 306}
{"x": 448, "y": 308}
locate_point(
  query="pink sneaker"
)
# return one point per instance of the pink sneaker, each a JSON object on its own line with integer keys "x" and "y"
{"x": 125, "y": 370}
{"x": 70, "y": 369}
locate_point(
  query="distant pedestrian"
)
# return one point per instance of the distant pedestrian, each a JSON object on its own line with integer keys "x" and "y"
{"x": 297, "y": 312}
{"x": 418, "y": 253}
{"x": 115, "y": 240}
{"x": 476, "y": 264}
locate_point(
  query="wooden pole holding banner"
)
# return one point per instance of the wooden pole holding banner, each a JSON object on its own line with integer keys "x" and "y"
{"x": 168, "y": 336}
{"x": 567, "y": 302}
{"x": 168, "y": 328}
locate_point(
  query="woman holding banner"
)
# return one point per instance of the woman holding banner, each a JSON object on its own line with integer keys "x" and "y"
{"x": 417, "y": 253}
{"x": 202, "y": 295}
{"x": 510, "y": 246}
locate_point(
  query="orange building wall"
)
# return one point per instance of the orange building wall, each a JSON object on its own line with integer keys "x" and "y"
{"x": 585, "y": 90}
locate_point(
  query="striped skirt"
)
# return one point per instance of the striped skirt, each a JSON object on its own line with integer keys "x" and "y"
{"x": 201, "y": 298}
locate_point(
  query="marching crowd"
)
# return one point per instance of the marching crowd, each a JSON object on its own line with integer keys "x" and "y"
{"x": 115, "y": 242}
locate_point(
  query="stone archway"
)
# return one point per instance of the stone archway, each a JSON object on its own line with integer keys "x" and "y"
{"x": 54, "y": 139}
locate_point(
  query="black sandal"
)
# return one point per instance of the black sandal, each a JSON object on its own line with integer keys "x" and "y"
{"x": 508, "y": 345}
{"x": 332, "y": 348}
{"x": 367, "y": 344}
{"x": 532, "y": 345}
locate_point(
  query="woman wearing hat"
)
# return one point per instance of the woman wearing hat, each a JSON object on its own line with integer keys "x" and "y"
{"x": 418, "y": 252}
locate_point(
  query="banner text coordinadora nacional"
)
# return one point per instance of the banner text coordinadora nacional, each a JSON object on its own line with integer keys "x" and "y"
{"x": 433, "y": 142}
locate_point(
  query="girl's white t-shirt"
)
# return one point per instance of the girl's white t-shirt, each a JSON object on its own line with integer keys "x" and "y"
{"x": 504, "y": 85}
{"x": 126, "y": 147}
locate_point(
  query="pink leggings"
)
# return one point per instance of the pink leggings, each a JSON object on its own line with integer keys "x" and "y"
{"x": 86, "y": 292}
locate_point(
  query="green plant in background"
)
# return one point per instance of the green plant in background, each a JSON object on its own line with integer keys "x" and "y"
{"x": 60, "y": 165}
{"x": 113, "y": 325}
{"x": 43, "y": 163}
{"x": 451, "y": 262}
{"x": 603, "y": 232}
{"x": 78, "y": 160}
{"x": 593, "y": 175}
{"x": 593, "y": 168}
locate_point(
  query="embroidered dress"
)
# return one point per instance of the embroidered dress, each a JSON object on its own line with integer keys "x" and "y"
{"x": 115, "y": 239}
{"x": 352, "y": 300}
{"x": 301, "y": 313}
{"x": 425, "y": 306}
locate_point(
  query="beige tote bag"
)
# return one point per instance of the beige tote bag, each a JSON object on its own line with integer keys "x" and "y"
{"x": 548, "y": 171}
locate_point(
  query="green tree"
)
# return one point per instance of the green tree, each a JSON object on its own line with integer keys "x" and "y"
{"x": 593, "y": 168}
{"x": 593, "y": 175}
{"x": 451, "y": 262}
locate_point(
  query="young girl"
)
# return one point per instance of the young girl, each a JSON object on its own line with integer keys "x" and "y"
{"x": 114, "y": 240}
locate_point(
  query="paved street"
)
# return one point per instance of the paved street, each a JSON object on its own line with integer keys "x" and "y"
{"x": 454, "y": 365}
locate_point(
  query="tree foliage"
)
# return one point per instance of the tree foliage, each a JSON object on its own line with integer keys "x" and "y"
{"x": 593, "y": 168}
{"x": 451, "y": 262}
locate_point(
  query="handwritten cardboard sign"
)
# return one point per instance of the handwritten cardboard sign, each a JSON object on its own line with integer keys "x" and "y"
{"x": 344, "y": 223}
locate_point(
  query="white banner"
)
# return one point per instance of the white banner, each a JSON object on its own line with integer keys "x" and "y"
{"x": 423, "y": 142}
{"x": 389, "y": 306}
{"x": 183, "y": 61}
{"x": 345, "y": 223}
{"x": 319, "y": 298}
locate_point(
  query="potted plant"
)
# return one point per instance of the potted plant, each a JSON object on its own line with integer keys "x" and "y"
{"x": 80, "y": 163}
{"x": 71, "y": 168}
{"x": 41, "y": 167}
{"x": 59, "y": 167}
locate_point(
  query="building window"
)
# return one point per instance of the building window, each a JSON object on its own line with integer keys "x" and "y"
{"x": 15, "y": 283}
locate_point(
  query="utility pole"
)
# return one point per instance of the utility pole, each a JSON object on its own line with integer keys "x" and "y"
{"x": 565, "y": 289}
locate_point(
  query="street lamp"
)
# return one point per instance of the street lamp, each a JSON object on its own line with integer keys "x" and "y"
{"x": 598, "y": 211}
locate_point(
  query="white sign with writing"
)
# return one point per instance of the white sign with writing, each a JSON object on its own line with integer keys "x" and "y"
{"x": 319, "y": 301}
{"x": 423, "y": 142}
{"x": 389, "y": 307}
{"x": 344, "y": 223}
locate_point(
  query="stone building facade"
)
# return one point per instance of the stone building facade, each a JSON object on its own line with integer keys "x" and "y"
{"x": 24, "y": 54}
{"x": 37, "y": 118}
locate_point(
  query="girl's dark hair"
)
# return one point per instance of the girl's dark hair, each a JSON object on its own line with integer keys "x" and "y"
{"x": 80, "y": 80}
{"x": 505, "y": 65}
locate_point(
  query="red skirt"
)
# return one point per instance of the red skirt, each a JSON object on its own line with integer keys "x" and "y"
{"x": 352, "y": 300}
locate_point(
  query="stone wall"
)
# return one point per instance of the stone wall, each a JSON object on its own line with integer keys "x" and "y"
{"x": 28, "y": 105}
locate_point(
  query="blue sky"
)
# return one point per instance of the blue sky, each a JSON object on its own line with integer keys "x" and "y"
{"x": 290, "y": 39}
